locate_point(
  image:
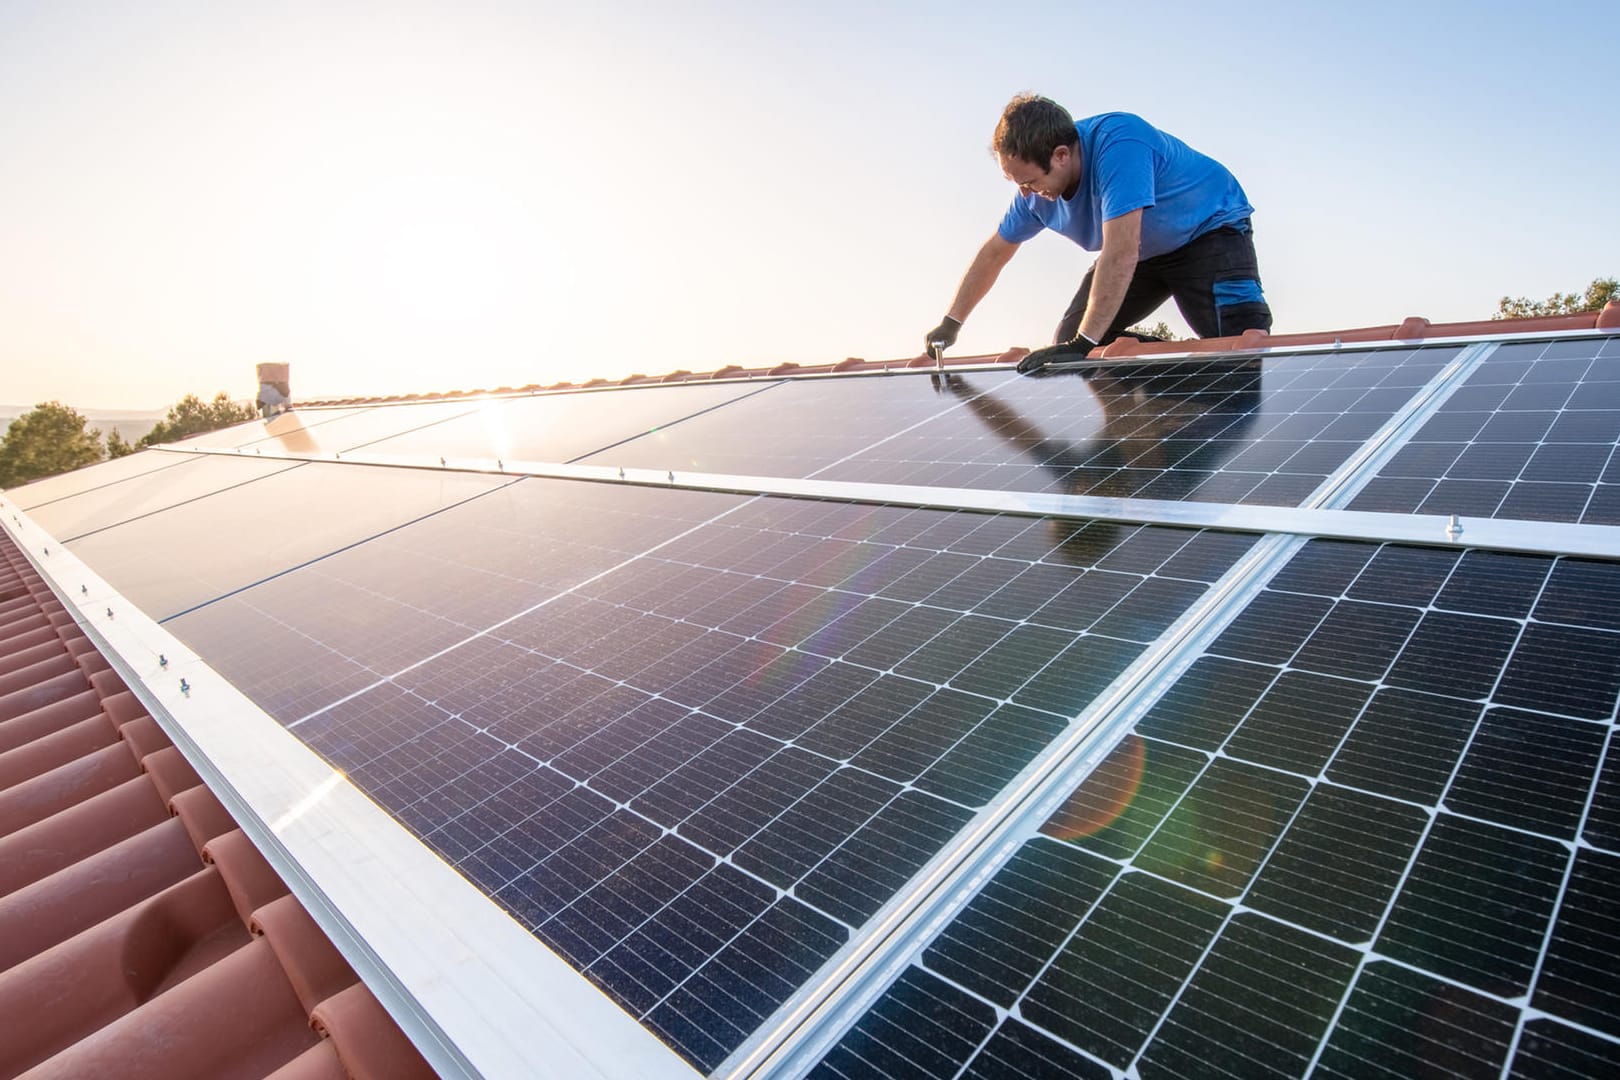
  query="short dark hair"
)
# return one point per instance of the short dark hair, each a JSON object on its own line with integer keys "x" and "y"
{"x": 1031, "y": 127}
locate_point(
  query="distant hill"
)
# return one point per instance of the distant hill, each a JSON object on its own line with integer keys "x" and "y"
{"x": 130, "y": 423}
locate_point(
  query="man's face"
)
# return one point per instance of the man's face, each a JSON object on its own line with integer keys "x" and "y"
{"x": 1050, "y": 183}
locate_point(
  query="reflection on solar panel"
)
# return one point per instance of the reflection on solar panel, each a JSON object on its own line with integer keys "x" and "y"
{"x": 1350, "y": 838}
{"x": 905, "y": 787}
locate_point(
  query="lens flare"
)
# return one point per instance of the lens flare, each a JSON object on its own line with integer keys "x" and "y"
{"x": 1104, "y": 796}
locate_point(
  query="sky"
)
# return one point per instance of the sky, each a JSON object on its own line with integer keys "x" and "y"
{"x": 416, "y": 197}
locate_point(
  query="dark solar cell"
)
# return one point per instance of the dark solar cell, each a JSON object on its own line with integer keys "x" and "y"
{"x": 1491, "y": 461}
{"x": 1114, "y": 980}
{"x": 1149, "y": 610}
{"x": 1019, "y": 1052}
{"x": 869, "y": 867}
{"x": 990, "y": 755}
{"x": 1392, "y": 495}
{"x": 1207, "y": 556}
{"x": 1563, "y": 669}
{"x": 1003, "y": 939}
{"x": 1582, "y": 592}
{"x": 1578, "y": 980}
{"x": 1225, "y": 825}
{"x": 1399, "y": 1023}
{"x": 671, "y": 943}
{"x": 1569, "y": 462}
{"x": 1475, "y": 904}
{"x": 1078, "y": 674}
{"x": 1546, "y": 502}
{"x": 904, "y": 751}
{"x": 722, "y": 1002}
{"x": 1603, "y": 819}
{"x": 1528, "y": 771}
{"x": 1457, "y": 655}
{"x": 1256, "y": 1007}
{"x": 1357, "y": 640}
{"x": 1549, "y": 1050}
{"x": 921, "y": 1027}
{"x": 1005, "y": 666}
{"x": 1299, "y": 722}
{"x": 1339, "y": 863}
{"x": 1125, "y": 797}
{"x": 1203, "y": 706}
{"x": 1495, "y": 583}
{"x": 1271, "y": 628}
{"x": 1323, "y": 567}
{"x": 1403, "y": 575}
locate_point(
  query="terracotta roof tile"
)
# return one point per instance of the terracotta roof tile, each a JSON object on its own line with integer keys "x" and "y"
{"x": 122, "y": 952}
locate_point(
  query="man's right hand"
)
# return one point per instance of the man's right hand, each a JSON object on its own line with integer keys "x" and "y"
{"x": 942, "y": 336}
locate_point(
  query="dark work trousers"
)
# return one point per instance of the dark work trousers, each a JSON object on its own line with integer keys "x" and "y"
{"x": 1215, "y": 281}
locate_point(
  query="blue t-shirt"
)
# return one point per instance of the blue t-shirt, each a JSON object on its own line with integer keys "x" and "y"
{"x": 1128, "y": 164}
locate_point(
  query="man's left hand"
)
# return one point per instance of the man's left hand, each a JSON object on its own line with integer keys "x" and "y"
{"x": 1036, "y": 362}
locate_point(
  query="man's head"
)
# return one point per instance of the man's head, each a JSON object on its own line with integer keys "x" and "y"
{"x": 1037, "y": 147}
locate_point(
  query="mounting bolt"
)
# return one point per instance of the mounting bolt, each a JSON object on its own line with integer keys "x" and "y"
{"x": 109, "y": 613}
{"x": 441, "y": 463}
{"x": 1454, "y": 527}
{"x": 501, "y": 465}
{"x": 163, "y": 661}
{"x": 84, "y": 589}
{"x": 185, "y": 688}
{"x": 672, "y": 476}
{"x": 621, "y": 472}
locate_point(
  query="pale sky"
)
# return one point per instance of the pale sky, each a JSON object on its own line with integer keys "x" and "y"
{"x": 413, "y": 197}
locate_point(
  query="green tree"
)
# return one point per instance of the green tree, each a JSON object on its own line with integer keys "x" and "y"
{"x": 1600, "y": 292}
{"x": 191, "y": 416}
{"x": 117, "y": 445}
{"x": 48, "y": 439}
{"x": 1160, "y": 330}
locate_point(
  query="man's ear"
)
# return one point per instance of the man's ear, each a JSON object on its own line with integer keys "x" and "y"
{"x": 1061, "y": 157}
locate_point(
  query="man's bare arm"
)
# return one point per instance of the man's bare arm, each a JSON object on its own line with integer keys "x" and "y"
{"x": 981, "y": 274}
{"x": 1121, "y": 247}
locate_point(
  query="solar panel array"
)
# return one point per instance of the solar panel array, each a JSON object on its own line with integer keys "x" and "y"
{"x": 1353, "y": 810}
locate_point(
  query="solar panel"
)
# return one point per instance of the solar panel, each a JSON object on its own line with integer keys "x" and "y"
{"x": 809, "y": 784}
{"x": 1304, "y": 857}
{"x": 287, "y": 427}
{"x": 324, "y": 432}
{"x": 1528, "y": 436}
{"x": 785, "y": 709}
{"x": 90, "y": 478}
{"x": 190, "y": 553}
{"x": 71, "y": 517}
{"x": 565, "y": 426}
{"x": 1261, "y": 431}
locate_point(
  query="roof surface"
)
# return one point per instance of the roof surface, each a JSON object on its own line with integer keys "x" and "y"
{"x": 895, "y": 722}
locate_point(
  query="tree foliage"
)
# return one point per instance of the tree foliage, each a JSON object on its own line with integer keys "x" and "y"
{"x": 117, "y": 445}
{"x": 1160, "y": 330}
{"x": 191, "y": 416}
{"x": 48, "y": 439}
{"x": 1600, "y": 292}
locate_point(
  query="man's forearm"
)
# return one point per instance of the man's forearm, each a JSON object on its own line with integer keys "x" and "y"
{"x": 1109, "y": 281}
{"x": 980, "y": 276}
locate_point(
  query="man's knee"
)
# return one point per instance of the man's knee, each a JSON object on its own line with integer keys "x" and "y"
{"x": 1240, "y": 305}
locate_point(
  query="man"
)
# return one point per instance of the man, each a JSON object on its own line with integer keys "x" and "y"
{"x": 1167, "y": 221}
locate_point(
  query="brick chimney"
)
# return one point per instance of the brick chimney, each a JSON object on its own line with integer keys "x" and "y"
{"x": 275, "y": 393}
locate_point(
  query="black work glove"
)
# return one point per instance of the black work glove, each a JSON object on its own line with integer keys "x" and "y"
{"x": 942, "y": 336}
{"x": 1036, "y": 362}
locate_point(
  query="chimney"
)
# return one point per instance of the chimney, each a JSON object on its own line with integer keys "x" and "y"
{"x": 275, "y": 394}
